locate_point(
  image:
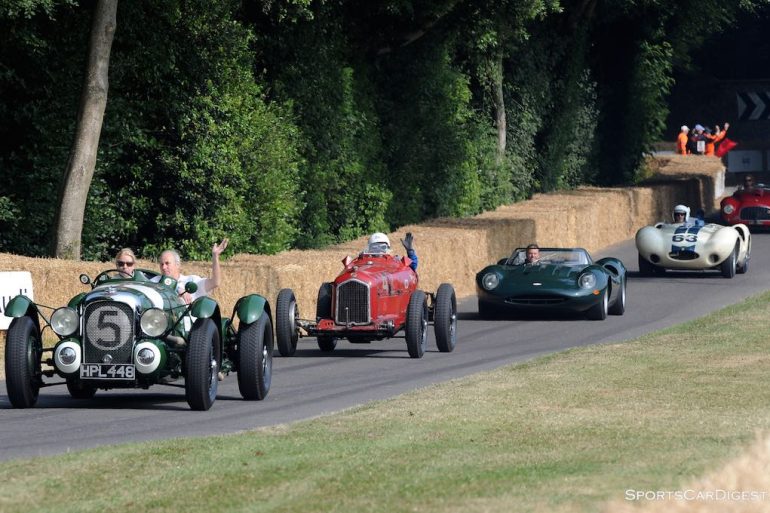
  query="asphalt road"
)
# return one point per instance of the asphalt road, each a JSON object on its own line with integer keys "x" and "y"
{"x": 313, "y": 383}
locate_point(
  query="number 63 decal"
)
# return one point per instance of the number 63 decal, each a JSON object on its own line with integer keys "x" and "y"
{"x": 682, "y": 237}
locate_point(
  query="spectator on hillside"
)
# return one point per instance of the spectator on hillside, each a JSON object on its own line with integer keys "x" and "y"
{"x": 713, "y": 139}
{"x": 697, "y": 141}
{"x": 681, "y": 140}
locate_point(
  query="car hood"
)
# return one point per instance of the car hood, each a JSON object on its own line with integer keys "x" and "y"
{"x": 138, "y": 295}
{"x": 538, "y": 275}
{"x": 710, "y": 239}
{"x": 543, "y": 271}
{"x": 753, "y": 197}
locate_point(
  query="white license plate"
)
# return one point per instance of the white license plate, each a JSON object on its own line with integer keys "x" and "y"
{"x": 107, "y": 371}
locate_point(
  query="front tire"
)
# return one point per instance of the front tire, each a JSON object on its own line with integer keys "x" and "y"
{"x": 323, "y": 304}
{"x": 326, "y": 343}
{"x": 728, "y": 267}
{"x": 323, "y": 310}
{"x": 645, "y": 267}
{"x": 598, "y": 312}
{"x": 23, "y": 348}
{"x": 619, "y": 306}
{"x": 286, "y": 317}
{"x": 488, "y": 311}
{"x": 417, "y": 324}
{"x": 255, "y": 359}
{"x": 202, "y": 366}
{"x": 743, "y": 269}
{"x": 445, "y": 318}
{"x": 78, "y": 390}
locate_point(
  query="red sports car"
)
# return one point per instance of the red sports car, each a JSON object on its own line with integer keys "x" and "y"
{"x": 374, "y": 298}
{"x": 748, "y": 206}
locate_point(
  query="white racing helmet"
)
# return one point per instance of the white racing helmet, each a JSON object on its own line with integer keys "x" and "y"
{"x": 681, "y": 209}
{"x": 378, "y": 243}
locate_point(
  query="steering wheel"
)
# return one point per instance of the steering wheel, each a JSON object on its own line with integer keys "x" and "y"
{"x": 145, "y": 274}
{"x": 111, "y": 274}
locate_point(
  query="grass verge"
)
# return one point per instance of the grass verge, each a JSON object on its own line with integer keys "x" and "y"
{"x": 568, "y": 432}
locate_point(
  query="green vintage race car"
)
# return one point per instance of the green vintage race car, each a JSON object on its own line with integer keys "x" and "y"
{"x": 564, "y": 280}
{"x": 131, "y": 332}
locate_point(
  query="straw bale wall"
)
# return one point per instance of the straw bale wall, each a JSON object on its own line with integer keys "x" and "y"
{"x": 449, "y": 250}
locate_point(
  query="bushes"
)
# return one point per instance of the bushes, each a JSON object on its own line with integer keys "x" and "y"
{"x": 300, "y": 124}
{"x": 194, "y": 151}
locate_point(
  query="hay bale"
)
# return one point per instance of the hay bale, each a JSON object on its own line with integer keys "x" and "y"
{"x": 449, "y": 250}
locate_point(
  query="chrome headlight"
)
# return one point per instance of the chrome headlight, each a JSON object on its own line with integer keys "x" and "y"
{"x": 66, "y": 357}
{"x": 147, "y": 357}
{"x": 728, "y": 209}
{"x": 64, "y": 321}
{"x": 587, "y": 280}
{"x": 490, "y": 281}
{"x": 154, "y": 322}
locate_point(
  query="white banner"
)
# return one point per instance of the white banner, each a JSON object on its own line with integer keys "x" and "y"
{"x": 11, "y": 285}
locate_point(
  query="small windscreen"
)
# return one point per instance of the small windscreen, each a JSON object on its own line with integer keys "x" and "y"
{"x": 555, "y": 256}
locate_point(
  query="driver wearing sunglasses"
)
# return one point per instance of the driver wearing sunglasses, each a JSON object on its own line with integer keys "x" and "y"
{"x": 125, "y": 261}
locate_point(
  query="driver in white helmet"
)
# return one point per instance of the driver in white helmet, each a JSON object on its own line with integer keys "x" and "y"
{"x": 379, "y": 244}
{"x": 681, "y": 214}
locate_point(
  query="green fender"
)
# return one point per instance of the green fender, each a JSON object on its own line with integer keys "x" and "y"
{"x": 75, "y": 301}
{"x": 250, "y": 308}
{"x": 204, "y": 308}
{"x": 20, "y": 306}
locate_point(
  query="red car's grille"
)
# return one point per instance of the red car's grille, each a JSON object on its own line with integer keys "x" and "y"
{"x": 352, "y": 303}
{"x": 755, "y": 214}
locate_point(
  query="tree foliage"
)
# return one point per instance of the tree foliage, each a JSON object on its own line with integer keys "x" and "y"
{"x": 298, "y": 123}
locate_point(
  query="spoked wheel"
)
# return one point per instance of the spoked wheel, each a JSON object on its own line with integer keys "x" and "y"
{"x": 417, "y": 324}
{"x": 619, "y": 306}
{"x": 78, "y": 390}
{"x": 598, "y": 312}
{"x": 23, "y": 348}
{"x": 202, "y": 365}
{"x": 445, "y": 318}
{"x": 255, "y": 358}
{"x": 286, "y": 317}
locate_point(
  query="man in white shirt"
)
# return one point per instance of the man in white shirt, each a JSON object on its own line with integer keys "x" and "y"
{"x": 171, "y": 265}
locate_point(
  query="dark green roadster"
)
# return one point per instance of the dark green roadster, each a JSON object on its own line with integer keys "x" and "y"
{"x": 562, "y": 280}
{"x": 130, "y": 332}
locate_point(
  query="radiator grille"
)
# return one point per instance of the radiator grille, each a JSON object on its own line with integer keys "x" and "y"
{"x": 755, "y": 213}
{"x": 535, "y": 300}
{"x": 352, "y": 303}
{"x": 684, "y": 255}
{"x": 109, "y": 329}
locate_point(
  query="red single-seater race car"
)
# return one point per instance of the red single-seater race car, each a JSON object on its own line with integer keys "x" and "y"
{"x": 748, "y": 206}
{"x": 374, "y": 298}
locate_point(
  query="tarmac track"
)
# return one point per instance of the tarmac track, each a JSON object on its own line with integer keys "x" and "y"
{"x": 312, "y": 383}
